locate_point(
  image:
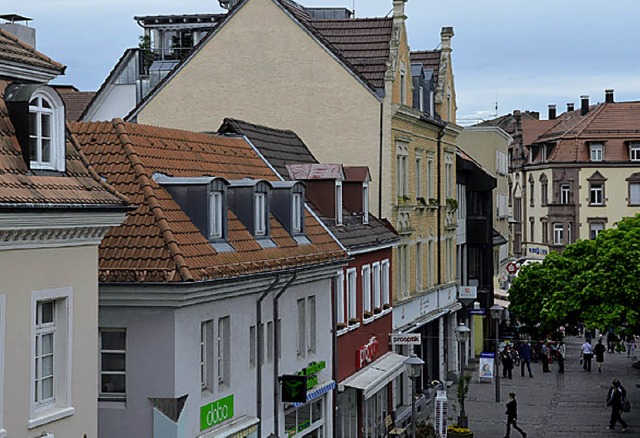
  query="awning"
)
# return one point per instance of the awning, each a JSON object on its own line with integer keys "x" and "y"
{"x": 238, "y": 428}
{"x": 376, "y": 375}
{"x": 317, "y": 392}
{"x": 454, "y": 307}
{"x": 498, "y": 238}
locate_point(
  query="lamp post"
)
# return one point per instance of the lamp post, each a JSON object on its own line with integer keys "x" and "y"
{"x": 413, "y": 365}
{"x": 496, "y": 314}
{"x": 462, "y": 333}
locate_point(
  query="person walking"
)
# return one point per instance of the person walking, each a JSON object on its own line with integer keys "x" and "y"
{"x": 599, "y": 350}
{"x": 615, "y": 398}
{"x": 545, "y": 355}
{"x": 507, "y": 362}
{"x": 560, "y": 353}
{"x": 631, "y": 344}
{"x": 525, "y": 357}
{"x": 512, "y": 416}
{"x": 586, "y": 353}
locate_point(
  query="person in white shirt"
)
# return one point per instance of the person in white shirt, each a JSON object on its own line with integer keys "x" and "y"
{"x": 586, "y": 353}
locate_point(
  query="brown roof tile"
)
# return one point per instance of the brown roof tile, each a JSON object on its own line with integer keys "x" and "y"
{"x": 75, "y": 101}
{"x": 430, "y": 59}
{"x": 15, "y": 51}
{"x": 158, "y": 242}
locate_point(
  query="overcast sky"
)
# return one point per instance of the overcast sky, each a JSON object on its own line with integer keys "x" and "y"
{"x": 520, "y": 54}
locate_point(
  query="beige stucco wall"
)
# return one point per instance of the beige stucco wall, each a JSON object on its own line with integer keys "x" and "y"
{"x": 537, "y": 211}
{"x": 24, "y": 271}
{"x": 278, "y": 76}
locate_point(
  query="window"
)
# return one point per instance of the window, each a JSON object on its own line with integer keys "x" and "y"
{"x": 385, "y": 282}
{"x": 302, "y": 328}
{"x": 46, "y": 131}
{"x": 402, "y": 176}
{"x": 565, "y": 193}
{"x": 311, "y": 304}
{"x": 421, "y": 97}
{"x": 260, "y": 211}
{"x": 215, "y": 215}
{"x": 502, "y": 167}
{"x": 377, "y": 290}
{"x": 403, "y": 270}
{"x": 448, "y": 176}
{"x": 502, "y": 205}
{"x": 403, "y": 84}
{"x": 532, "y": 199}
{"x": 51, "y": 355}
{"x": 206, "y": 337}
{"x": 252, "y": 346}
{"x": 531, "y": 234}
{"x": 596, "y": 152}
{"x": 430, "y": 191}
{"x": 365, "y": 202}
{"x": 545, "y": 232}
{"x": 569, "y": 233}
{"x": 113, "y": 356}
{"x": 296, "y": 213}
{"x": 341, "y": 299}
{"x": 351, "y": 294}
{"x": 634, "y": 193}
{"x": 224, "y": 351}
{"x": 270, "y": 335}
{"x": 338, "y": 205}
{"x": 418, "y": 177}
{"x": 544, "y": 189}
{"x": 430, "y": 263}
{"x": 634, "y": 151}
{"x": 366, "y": 291}
{"x": 596, "y": 194}
{"x": 543, "y": 153}
{"x": 419, "y": 265}
{"x": 558, "y": 233}
{"x": 594, "y": 229}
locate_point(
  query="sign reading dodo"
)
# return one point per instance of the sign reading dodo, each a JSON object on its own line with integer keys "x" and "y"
{"x": 216, "y": 412}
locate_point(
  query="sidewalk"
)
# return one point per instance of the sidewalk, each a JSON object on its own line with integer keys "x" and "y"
{"x": 555, "y": 405}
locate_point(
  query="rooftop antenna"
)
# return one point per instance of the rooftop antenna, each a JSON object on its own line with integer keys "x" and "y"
{"x": 496, "y": 108}
{"x": 353, "y": 8}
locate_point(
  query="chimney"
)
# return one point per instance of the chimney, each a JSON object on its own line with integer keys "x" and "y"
{"x": 398, "y": 9}
{"x": 608, "y": 96}
{"x": 552, "y": 112}
{"x": 23, "y": 32}
{"x": 570, "y": 107}
{"x": 445, "y": 37}
{"x": 584, "y": 105}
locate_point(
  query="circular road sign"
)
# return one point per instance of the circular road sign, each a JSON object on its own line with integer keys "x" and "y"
{"x": 512, "y": 267}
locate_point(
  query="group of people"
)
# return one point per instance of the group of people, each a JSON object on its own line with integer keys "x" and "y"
{"x": 524, "y": 354}
{"x": 587, "y": 352}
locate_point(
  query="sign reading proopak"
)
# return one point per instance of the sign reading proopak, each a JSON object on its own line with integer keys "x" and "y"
{"x": 406, "y": 339}
{"x": 216, "y": 412}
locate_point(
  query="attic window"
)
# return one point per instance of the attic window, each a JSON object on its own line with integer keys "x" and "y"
{"x": 216, "y": 220}
{"x": 260, "y": 214}
{"x": 338, "y": 206}
{"x": 46, "y": 132}
{"x": 296, "y": 213}
{"x": 365, "y": 202}
{"x": 634, "y": 151}
{"x": 596, "y": 151}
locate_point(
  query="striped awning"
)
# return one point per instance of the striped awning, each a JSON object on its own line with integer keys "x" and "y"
{"x": 317, "y": 392}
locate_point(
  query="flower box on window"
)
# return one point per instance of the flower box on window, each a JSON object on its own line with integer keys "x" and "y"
{"x": 368, "y": 314}
{"x": 341, "y": 325}
{"x": 386, "y": 306}
{"x": 353, "y": 321}
{"x": 377, "y": 310}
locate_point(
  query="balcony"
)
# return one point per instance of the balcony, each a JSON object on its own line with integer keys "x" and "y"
{"x": 561, "y": 210}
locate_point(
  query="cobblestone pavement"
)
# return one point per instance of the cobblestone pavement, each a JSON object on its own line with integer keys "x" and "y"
{"x": 555, "y": 405}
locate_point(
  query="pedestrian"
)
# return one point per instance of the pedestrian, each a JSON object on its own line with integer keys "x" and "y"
{"x": 599, "y": 351}
{"x": 512, "y": 415}
{"x": 615, "y": 398}
{"x": 611, "y": 339}
{"x": 586, "y": 353}
{"x": 631, "y": 344}
{"x": 507, "y": 362}
{"x": 545, "y": 355}
{"x": 525, "y": 357}
{"x": 560, "y": 352}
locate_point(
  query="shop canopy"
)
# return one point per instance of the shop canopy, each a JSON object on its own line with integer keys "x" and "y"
{"x": 377, "y": 375}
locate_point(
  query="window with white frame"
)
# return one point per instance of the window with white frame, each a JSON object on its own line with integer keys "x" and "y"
{"x": 430, "y": 182}
{"x": 366, "y": 291}
{"x": 270, "y": 337}
{"x": 302, "y": 327}
{"x": 403, "y": 270}
{"x": 558, "y": 233}
{"x": 596, "y": 151}
{"x": 338, "y": 205}
{"x": 403, "y": 83}
{"x": 634, "y": 193}
{"x": 311, "y": 307}
{"x": 545, "y": 231}
{"x": 418, "y": 176}
{"x": 502, "y": 166}
{"x": 421, "y": 97}
{"x": 341, "y": 299}
{"x": 565, "y": 192}
{"x": 216, "y": 218}
{"x": 544, "y": 192}
{"x": 113, "y": 361}
{"x": 430, "y": 276}
{"x": 448, "y": 175}
{"x": 385, "y": 283}
{"x": 634, "y": 151}
{"x": 596, "y": 193}
{"x": 224, "y": 351}
{"x": 252, "y": 346}
{"x": 532, "y": 199}
{"x": 594, "y": 229}
{"x": 569, "y": 232}
{"x": 503, "y": 209}
{"x": 260, "y": 212}
{"x": 46, "y": 130}
{"x": 365, "y": 202}
{"x": 419, "y": 266}
{"x": 402, "y": 174}
{"x": 377, "y": 290}
{"x": 206, "y": 337}
{"x": 51, "y": 354}
{"x": 296, "y": 213}
{"x": 543, "y": 153}
{"x": 351, "y": 294}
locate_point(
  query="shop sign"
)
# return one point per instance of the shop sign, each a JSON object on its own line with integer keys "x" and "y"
{"x": 406, "y": 339}
{"x": 536, "y": 251}
{"x": 468, "y": 292}
{"x": 478, "y": 311}
{"x": 216, "y": 412}
{"x": 485, "y": 365}
{"x": 367, "y": 353}
{"x": 311, "y": 372}
{"x": 294, "y": 389}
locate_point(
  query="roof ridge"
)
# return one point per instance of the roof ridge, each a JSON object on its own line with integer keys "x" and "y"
{"x": 33, "y": 50}
{"x": 154, "y": 205}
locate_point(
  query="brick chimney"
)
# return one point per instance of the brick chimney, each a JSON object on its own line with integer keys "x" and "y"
{"x": 608, "y": 96}
{"x": 552, "y": 112}
{"x": 584, "y": 105}
{"x": 398, "y": 9}
{"x": 570, "y": 107}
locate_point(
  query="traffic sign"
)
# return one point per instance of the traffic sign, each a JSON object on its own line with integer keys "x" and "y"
{"x": 512, "y": 267}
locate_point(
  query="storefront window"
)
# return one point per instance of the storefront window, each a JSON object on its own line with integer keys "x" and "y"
{"x": 306, "y": 421}
{"x": 347, "y": 415}
{"x": 376, "y": 409}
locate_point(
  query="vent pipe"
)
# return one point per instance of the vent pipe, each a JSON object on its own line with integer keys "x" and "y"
{"x": 552, "y": 112}
{"x": 608, "y": 96}
{"x": 584, "y": 105}
{"x": 570, "y": 107}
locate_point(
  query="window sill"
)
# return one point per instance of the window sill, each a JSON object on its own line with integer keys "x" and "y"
{"x": 112, "y": 404}
{"x": 348, "y": 329}
{"x": 377, "y": 316}
{"x": 49, "y": 416}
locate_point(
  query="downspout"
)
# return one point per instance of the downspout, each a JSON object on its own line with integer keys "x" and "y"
{"x": 380, "y": 149}
{"x": 276, "y": 361}
{"x": 439, "y": 188}
{"x": 260, "y": 345}
{"x": 334, "y": 341}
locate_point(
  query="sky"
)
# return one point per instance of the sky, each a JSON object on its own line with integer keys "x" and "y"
{"x": 511, "y": 54}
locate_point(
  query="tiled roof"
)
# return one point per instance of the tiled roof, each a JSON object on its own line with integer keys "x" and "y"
{"x": 363, "y": 42}
{"x": 276, "y": 146}
{"x": 19, "y": 187}
{"x": 430, "y": 59}
{"x": 15, "y": 51}
{"x": 158, "y": 241}
{"x": 75, "y": 101}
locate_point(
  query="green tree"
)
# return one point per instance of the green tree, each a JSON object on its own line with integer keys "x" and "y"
{"x": 594, "y": 281}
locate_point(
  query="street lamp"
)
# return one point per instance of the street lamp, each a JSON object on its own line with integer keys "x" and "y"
{"x": 496, "y": 314}
{"x": 462, "y": 333}
{"x": 413, "y": 365}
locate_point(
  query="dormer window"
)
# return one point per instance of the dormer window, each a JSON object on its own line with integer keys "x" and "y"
{"x": 634, "y": 151}
{"x": 287, "y": 205}
{"x": 216, "y": 219}
{"x": 543, "y": 154}
{"x": 596, "y": 151}
{"x": 37, "y": 113}
{"x": 365, "y": 202}
{"x": 339, "y": 202}
{"x": 296, "y": 213}
{"x": 260, "y": 214}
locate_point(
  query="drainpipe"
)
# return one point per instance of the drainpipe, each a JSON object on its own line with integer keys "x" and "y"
{"x": 276, "y": 361}
{"x": 380, "y": 160}
{"x": 260, "y": 345}
{"x": 334, "y": 341}
{"x": 439, "y": 188}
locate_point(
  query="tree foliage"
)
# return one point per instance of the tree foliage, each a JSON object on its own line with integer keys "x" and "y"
{"x": 593, "y": 281}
